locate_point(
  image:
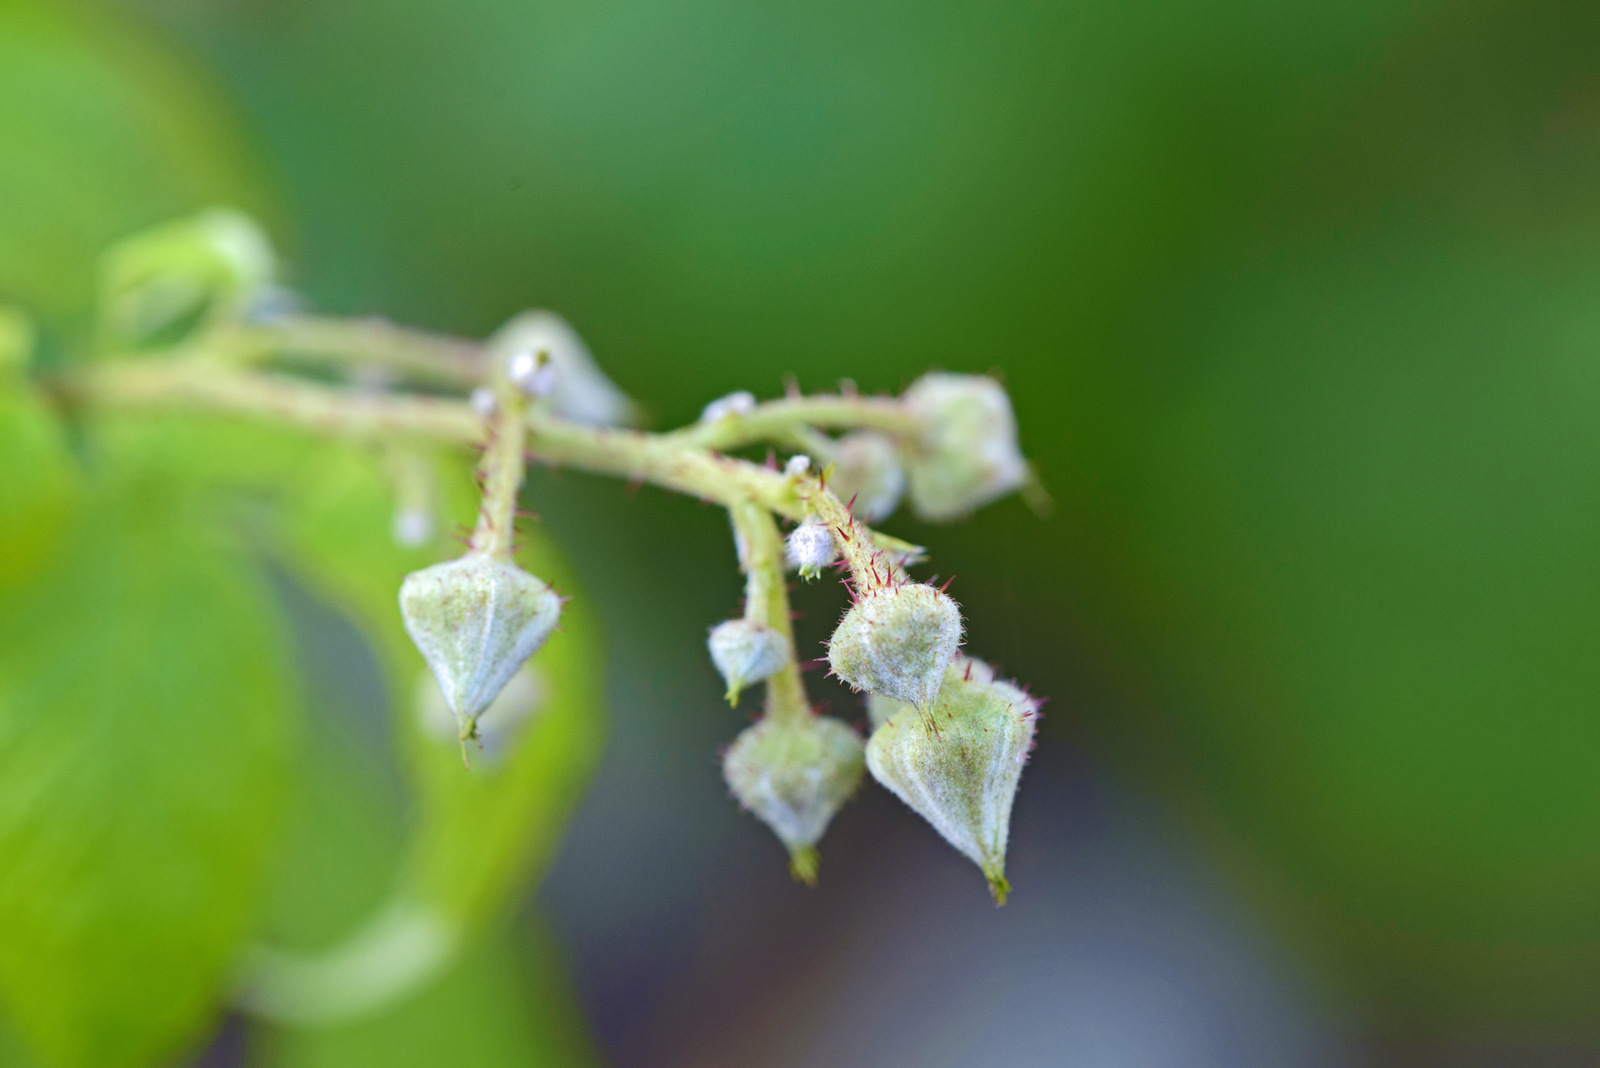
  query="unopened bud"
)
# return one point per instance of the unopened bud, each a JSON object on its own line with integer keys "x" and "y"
{"x": 797, "y": 466}
{"x": 204, "y": 267}
{"x": 577, "y": 388}
{"x": 740, "y": 403}
{"x": 967, "y": 453}
{"x": 746, "y": 652}
{"x": 476, "y": 620}
{"x": 499, "y": 725}
{"x": 959, "y": 767}
{"x": 896, "y": 641}
{"x": 533, "y": 372}
{"x": 810, "y": 548}
{"x": 483, "y": 401}
{"x": 867, "y": 468}
{"x": 795, "y": 775}
{"x": 413, "y": 527}
{"x": 881, "y": 709}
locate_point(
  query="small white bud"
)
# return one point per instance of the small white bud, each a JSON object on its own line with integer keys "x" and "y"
{"x": 483, "y": 401}
{"x": 577, "y": 389}
{"x": 533, "y": 372}
{"x": 967, "y": 453}
{"x": 897, "y": 640}
{"x": 797, "y": 466}
{"x": 413, "y": 527}
{"x": 745, "y": 652}
{"x": 959, "y": 768}
{"x": 476, "y": 620}
{"x": 740, "y": 403}
{"x": 867, "y": 469}
{"x": 795, "y": 776}
{"x": 499, "y": 725}
{"x": 810, "y": 548}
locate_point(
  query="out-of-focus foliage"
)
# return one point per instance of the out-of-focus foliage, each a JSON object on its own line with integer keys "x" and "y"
{"x": 1295, "y": 302}
{"x": 106, "y": 128}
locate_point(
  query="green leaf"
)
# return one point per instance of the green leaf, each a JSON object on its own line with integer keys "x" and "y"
{"x": 507, "y": 1003}
{"x": 144, "y": 715}
{"x": 107, "y": 129}
{"x": 37, "y": 486}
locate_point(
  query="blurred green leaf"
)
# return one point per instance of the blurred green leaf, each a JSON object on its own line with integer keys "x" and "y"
{"x": 107, "y": 129}
{"x": 144, "y": 715}
{"x": 37, "y": 484}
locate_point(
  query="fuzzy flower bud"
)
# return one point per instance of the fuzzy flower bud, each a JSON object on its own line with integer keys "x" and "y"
{"x": 499, "y": 725}
{"x": 810, "y": 548}
{"x": 896, "y": 641}
{"x": 867, "y": 468}
{"x": 577, "y": 388}
{"x": 967, "y": 454}
{"x": 795, "y": 776}
{"x": 534, "y": 372}
{"x": 959, "y": 767}
{"x": 746, "y": 652}
{"x": 797, "y": 466}
{"x": 739, "y": 403}
{"x": 476, "y": 620}
{"x": 881, "y": 709}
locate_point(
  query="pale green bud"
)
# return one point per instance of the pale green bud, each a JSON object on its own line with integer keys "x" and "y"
{"x": 499, "y": 725}
{"x": 746, "y": 652}
{"x": 476, "y": 620}
{"x": 577, "y": 388}
{"x": 867, "y": 468}
{"x": 794, "y": 775}
{"x": 810, "y": 548}
{"x": 897, "y": 641}
{"x": 958, "y": 767}
{"x": 205, "y": 267}
{"x": 881, "y": 709}
{"x": 967, "y": 453}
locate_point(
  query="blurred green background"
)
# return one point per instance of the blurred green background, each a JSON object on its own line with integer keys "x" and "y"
{"x": 1299, "y": 306}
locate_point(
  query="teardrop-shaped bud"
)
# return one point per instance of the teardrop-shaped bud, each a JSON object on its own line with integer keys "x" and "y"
{"x": 866, "y": 468}
{"x": 881, "y": 709}
{"x": 897, "y": 641}
{"x": 568, "y": 375}
{"x": 794, "y": 775}
{"x": 810, "y": 548}
{"x": 745, "y": 652}
{"x": 959, "y": 768}
{"x": 498, "y": 726}
{"x": 476, "y": 620}
{"x": 967, "y": 453}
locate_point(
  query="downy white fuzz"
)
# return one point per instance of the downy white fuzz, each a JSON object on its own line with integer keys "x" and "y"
{"x": 795, "y": 774}
{"x": 967, "y": 453}
{"x": 959, "y": 766}
{"x": 810, "y": 548}
{"x": 896, "y": 641}
{"x": 476, "y": 620}
{"x": 746, "y": 652}
{"x": 866, "y": 467}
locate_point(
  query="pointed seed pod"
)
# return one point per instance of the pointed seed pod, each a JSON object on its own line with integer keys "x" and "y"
{"x": 896, "y": 641}
{"x": 867, "y": 468}
{"x": 524, "y": 696}
{"x": 476, "y": 620}
{"x": 810, "y": 548}
{"x": 967, "y": 454}
{"x": 746, "y": 652}
{"x": 794, "y": 775}
{"x": 881, "y": 709}
{"x": 961, "y": 774}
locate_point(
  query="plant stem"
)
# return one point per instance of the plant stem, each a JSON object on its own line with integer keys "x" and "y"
{"x": 767, "y": 601}
{"x": 501, "y": 473}
{"x": 775, "y": 420}
{"x": 420, "y": 354}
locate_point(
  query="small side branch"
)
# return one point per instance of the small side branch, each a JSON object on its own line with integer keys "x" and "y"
{"x": 767, "y": 601}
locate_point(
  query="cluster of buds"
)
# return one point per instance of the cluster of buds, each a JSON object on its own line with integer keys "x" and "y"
{"x": 947, "y": 737}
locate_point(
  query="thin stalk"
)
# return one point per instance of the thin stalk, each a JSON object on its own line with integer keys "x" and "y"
{"x": 767, "y": 601}
{"x": 501, "y": 472}
{"x": 774, "y": 420}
